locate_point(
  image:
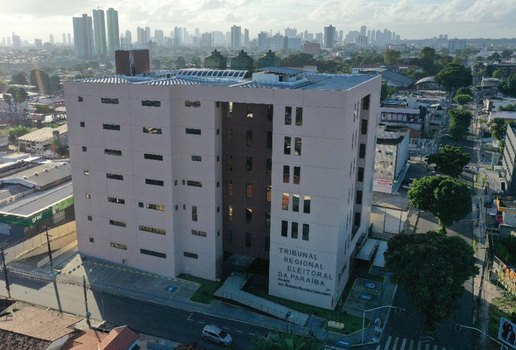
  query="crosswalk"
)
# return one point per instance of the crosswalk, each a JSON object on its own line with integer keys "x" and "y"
{"x": 397, "y": 343}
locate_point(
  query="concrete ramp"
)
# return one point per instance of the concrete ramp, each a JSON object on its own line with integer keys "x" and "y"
{"x": 232, "y": 290}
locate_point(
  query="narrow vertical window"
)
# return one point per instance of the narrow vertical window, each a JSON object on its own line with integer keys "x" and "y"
{"x": 230, "y": 213}
{"x": 360, "y": 176}
{"x": 248, "y": 215}
{"x": 248, "y": 240}
{"x": 286, "y": 145}
{"x": 284, "y": 228}
{"x": 268, "y": 193}
{"x": 249, "y": 138}
{"x": 297, "y": 146}
{"x": 286, "y": 174}
{"x": 194, "y": 213}
{"x": 358, "y": 197}
{"x": 269, "y": 139}
{"x": 363, "y": 126}
{"x": 230, "y": 188}
{"x": 230, "y": 136}
{"x": 268, "y": 169}
{"x": 295, "y": 202}
{"x": 288, "y": 115}
{"x": 299, "y": 116}
{"x": 294, "y": 230}
{"x": 248, "y": 191}
{"x": 249, "y": 164}
{"x": 297, "y": 175}
{"x": 285, "y": 198}
{"x": 306, "y": 232}
{"x": 362, "y": 151}
{"x": 307, "y": 202}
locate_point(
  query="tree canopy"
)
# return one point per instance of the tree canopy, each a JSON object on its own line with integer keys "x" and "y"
{"x": 18, "y": 131}
{"x": 391, "y": 56}
{"x": 460, "y": 119}
{"x": 508, "y": 86}
{"x": 19, "y": 78}
{"x": 432, "y": 268}
{"x": 46, "y": 84}
{"x": 449, "y": 160}
{"x": 454, "y": 76}
{"x": 277, "y": 341}
{"x": 448, "y": 199}
{"x": 428, "y": 60}
{"x": 462, "y": 99}
{"x": 464, "y": 91}
{"x": 19, "y": 94}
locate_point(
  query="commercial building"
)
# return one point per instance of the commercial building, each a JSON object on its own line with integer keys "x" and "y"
{"x": 99, "y": 32}
{"x": 392, "y": 153}
{"x": 44, "y": 141}
{"x": 236, "y": 36}
{"x": 113, "y": 34}
{"x": 171, "y": 171}
{"x": 83, "y": 36}
{"x": 330, "y": 36}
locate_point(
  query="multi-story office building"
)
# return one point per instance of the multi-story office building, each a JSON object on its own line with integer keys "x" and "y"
{"x": 113, "y": 34}
{"x": 99, "y": 32}
{"x": 330, "y": 36}
{"x": 509, "y": 161}
{"x": 236, "y": 37}
{"x": 83, "y": 36}
{"x": 171, "y": 171}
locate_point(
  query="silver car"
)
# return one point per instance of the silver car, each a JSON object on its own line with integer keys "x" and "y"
{"x": 217, "y": 335}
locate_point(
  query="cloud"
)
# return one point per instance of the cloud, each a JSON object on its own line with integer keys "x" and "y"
{"x": 491, "y": 16}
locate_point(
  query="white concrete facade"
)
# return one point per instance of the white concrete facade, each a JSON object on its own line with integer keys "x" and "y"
{"x": 330, "y": 160}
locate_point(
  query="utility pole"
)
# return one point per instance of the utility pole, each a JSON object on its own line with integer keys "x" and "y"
{"x": 7, "y": 287}
{"x": 88, "y": 314}
{"x": 49, "y": 251}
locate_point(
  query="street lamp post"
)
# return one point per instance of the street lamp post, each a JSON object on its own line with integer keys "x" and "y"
{"x": 49, "y": 251}
{"x": 376, "y": 308}
{"x": 7, "y": 287}
{"x": 458, "y": 326}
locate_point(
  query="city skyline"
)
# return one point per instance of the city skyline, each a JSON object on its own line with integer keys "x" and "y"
{"x": 412, "y": 19}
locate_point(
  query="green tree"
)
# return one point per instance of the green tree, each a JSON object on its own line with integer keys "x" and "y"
{"x": 508, "y": 86}
{"x": 463, "y": 99}
{"x": 498, "y": 128}
{"x": 449, "y": 160}
{"x": 432, "y": 268}
{"x": 506, "y": 53}
{"x": 454, "y": 76}
{"x": 428, "y": 60}
{"x": 298, "y": 60}
{"x": 460, "y": 119}
{"x": 498, "y": 74}
{"x": 464, "y": 91}
{"x": 18, "y": 131}
{"x": 3, "y": 86}
{"x": 180, "y": 62}
{"x": 508, "y": 108}
{"x": 277, "y": 341}
{"x": 19, "y": 78}
{"x": 391, "y": 56}
{"x": 330, "y": 66}
{"x": 495, "y": 57}
{"x": 448, "y": 199}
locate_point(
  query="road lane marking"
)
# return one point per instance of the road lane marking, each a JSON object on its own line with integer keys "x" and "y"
{"x": 411, "y": 345}
{"x": 394, "y": 346}
{"x": 427, "y": 347}
{"x": 388, "y": 343}
{"x": 252, "y": 334}
{"x": 238, "y": 331}
{"x": 188, "y": 318}
{"x": 402, "y": 347}
{"x": 379, "y": 347}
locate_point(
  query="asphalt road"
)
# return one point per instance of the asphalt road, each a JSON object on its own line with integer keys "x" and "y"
{"x": 144, "y": 317}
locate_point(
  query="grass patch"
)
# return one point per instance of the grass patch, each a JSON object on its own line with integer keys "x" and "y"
{"x": 504, "y": 306}
{"x": 352, "y": 323}
{"x": 204, "y": 294}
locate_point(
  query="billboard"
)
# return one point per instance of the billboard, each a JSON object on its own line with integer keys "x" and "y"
{"x": 507, "y": 332}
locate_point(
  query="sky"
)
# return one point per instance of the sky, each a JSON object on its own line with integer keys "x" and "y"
{"x": 412, "y": 19}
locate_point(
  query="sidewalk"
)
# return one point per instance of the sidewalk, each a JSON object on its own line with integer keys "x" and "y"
{"x": 175, "y": 292}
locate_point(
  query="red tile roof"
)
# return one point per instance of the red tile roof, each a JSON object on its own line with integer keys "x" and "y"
{"x": 120, "y": 338}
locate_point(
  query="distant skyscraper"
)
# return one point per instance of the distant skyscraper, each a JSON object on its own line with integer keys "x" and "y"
{"x": 69, "y": 38}
{"x": 236, "y": 33}
{"x": 128, "y": 38}
{"x": 263, "y": 41}
{"x": 16, "y": 41}
{"x": 159, "y": 37}
{"x": 140, "y": 35}
{"x": 363, "y": 30}
{"x": 38, "y": 43}
{"x": 147, "y": 35}
{"x": 83, "y": 36}
{"x": 319, "y": 38}
{"x": 178, "y": 36}
{"x": 206, "y": 41}
{"x": 330, "y": 36}
{"x": 51, "y": 38}
{"x": 291, "y": 32}
{"x": 64, "y": 38}
{"x": 113, "y": 34}
{"x": 99, "y": 31}
{"x": 246, "y": 38}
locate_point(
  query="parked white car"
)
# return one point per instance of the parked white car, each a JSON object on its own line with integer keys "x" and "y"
{"x": 217, "y": 335}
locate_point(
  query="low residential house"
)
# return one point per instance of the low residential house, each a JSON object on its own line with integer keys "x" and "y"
{"x": 392, "y": 144}
{"x": 35, "y": 328}
{"x": 119, "y": 338}
{"x": 412, "y": 118}
{"x": 506, "y": 215}
{"x": 41, "y": 141}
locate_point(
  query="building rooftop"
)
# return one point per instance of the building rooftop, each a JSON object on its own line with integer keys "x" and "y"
{"x": 39, "y": 323}
{"x": 41, "y": 176}
{"x": 43, "y": 134}
{"x": 285, "y": 78}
